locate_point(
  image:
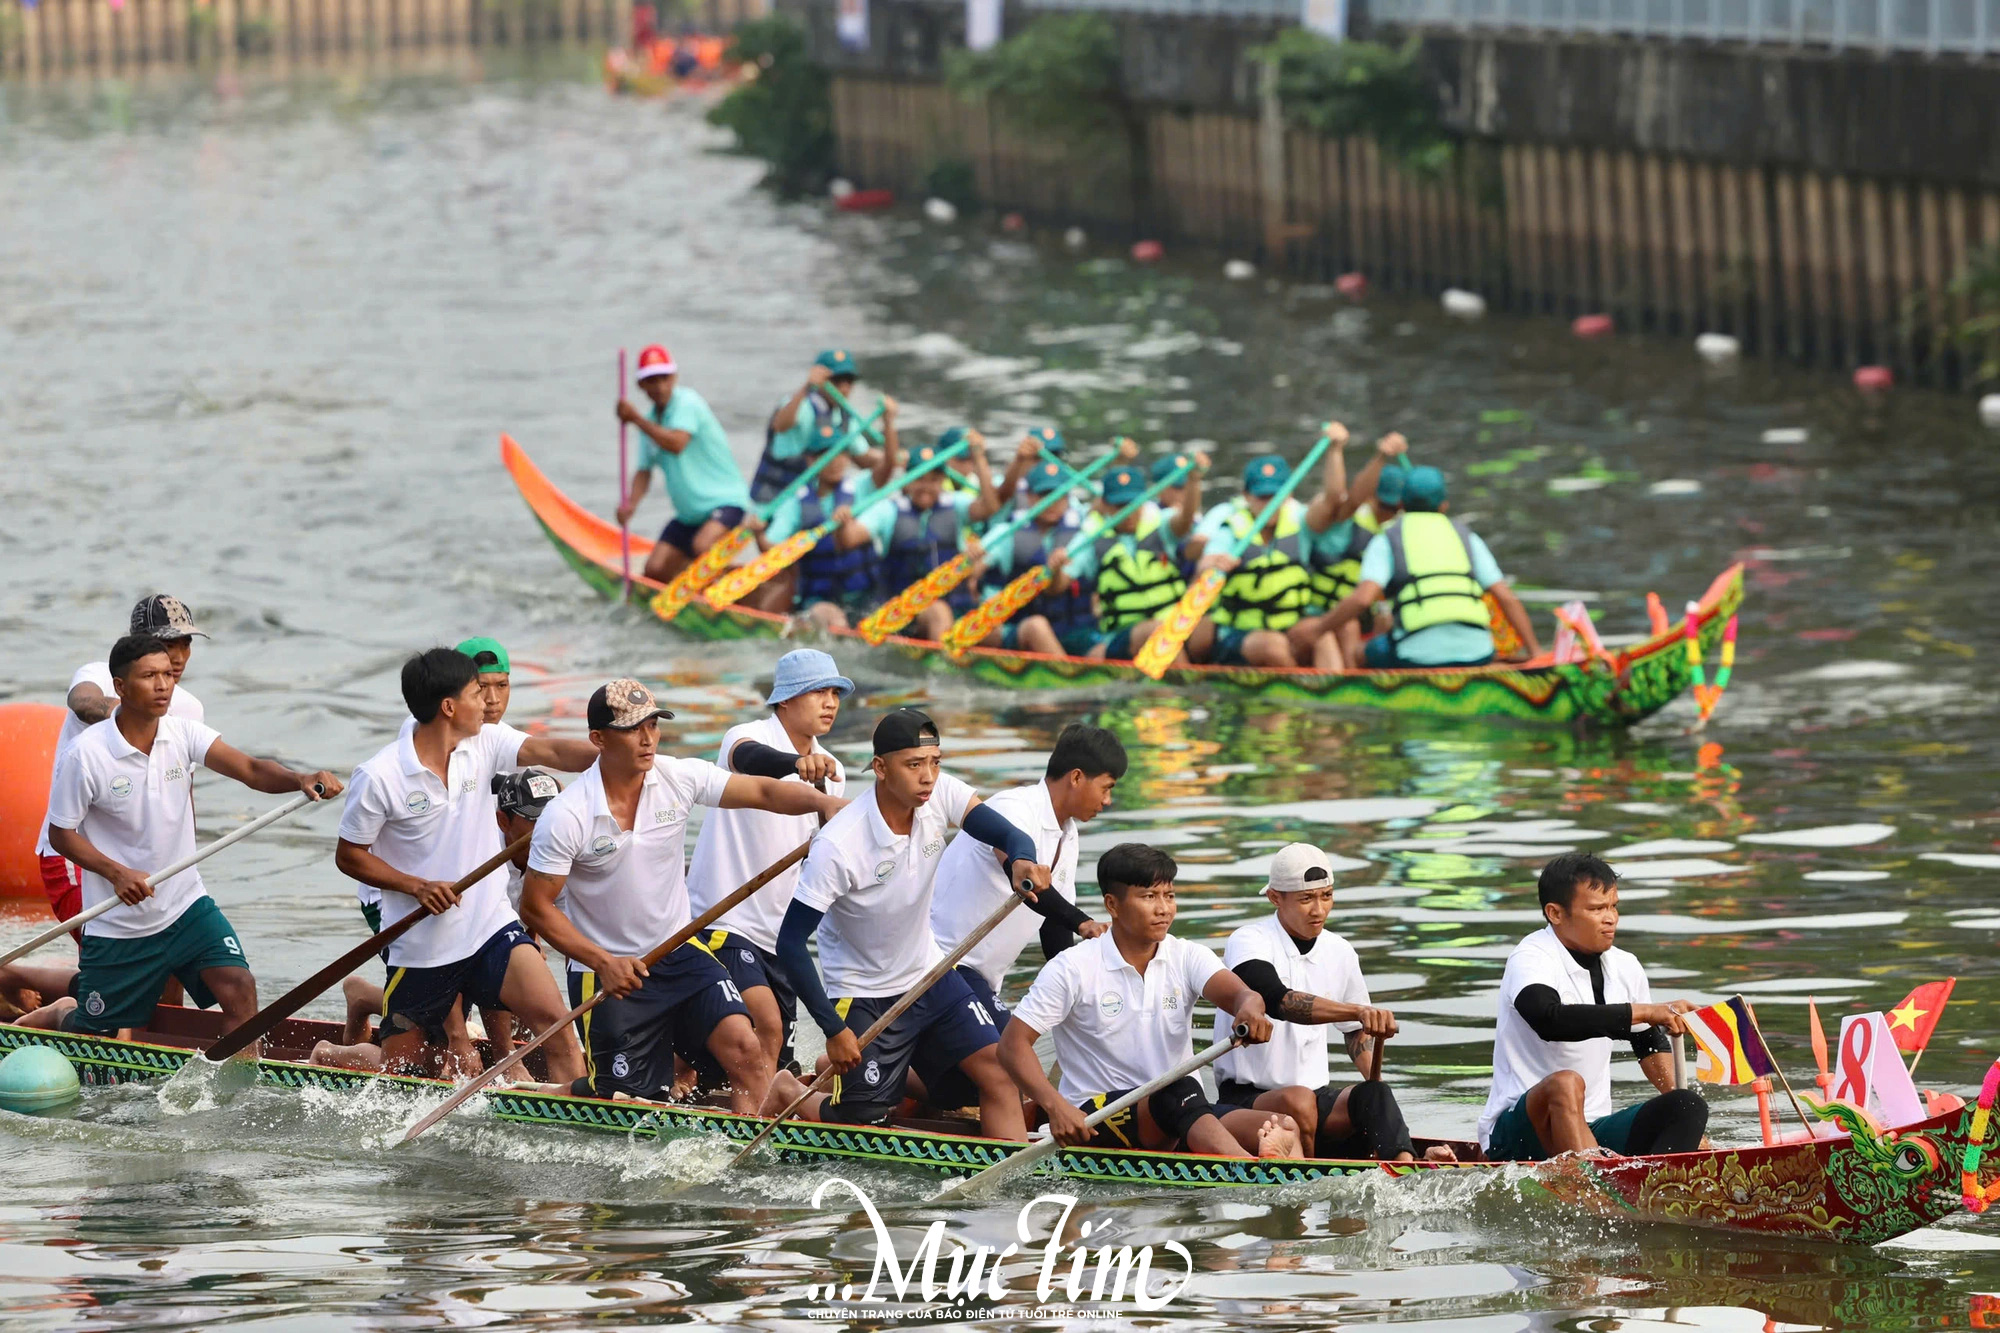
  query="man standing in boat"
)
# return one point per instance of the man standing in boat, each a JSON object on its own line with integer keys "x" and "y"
{"x": 866, "y": 891}
{"x": 932, "y": 526}
{"x": 605, "y": 886}
{"x": 1565, "y": 997}
{"x": 681, "y": 437}
{"x": 120, "y": 810}
{"x": 738, "y": 842}
{"x": 1121, "y": 1011}
{"x": 1310, "y": 979}
{"x": 800, "y": 424}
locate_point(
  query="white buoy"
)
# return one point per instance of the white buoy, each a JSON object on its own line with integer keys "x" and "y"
{"x": 1989, "y": 411}
{"x": 1717, "y": 349}
{"x": 1239, "y": 270}
{"x": 1461, "y": 304}
{"x": 1075, "y": 238}
{"x": 1785, "y": 435}
{"x": 839, "y": 187}
{"x": 940, "y": 210}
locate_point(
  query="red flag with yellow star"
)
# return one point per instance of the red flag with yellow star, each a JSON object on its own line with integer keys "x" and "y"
{"x": 1912, "y": 1021}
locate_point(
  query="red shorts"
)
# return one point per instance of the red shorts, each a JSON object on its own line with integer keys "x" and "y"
{"x": 63, "y": 883}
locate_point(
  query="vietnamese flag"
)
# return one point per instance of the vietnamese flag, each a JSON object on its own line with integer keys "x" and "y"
{"x": 1912, "y": 1021}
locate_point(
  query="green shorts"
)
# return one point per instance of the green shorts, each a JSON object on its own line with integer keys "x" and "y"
{"x": 119, "y": 981}
{"x": 1514, "y": 1138}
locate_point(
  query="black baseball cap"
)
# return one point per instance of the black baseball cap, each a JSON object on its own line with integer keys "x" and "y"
{"x": 525, "y": 793}
{"x": 164, "y": 617}
{"x": 904, "y": 729}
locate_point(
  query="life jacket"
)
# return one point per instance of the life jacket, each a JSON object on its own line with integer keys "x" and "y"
{"x": 774, "y": 475}
{"x": 1067, "y": 611}
{"x": 1333, "y": 580}
{"x": 1432, "y": 583}
{"x": 923, "y": 540}
{"x": 1138, "y": 576}
{"x": 1271, "y": 587}
{"x": 827, "y": 573}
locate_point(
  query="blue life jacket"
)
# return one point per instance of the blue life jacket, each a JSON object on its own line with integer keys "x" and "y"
{"x": 1067, "y": 611}
{"x": 920, "y": 543}
{"x": 773, "y": 475}
{"x": 827, "y": 573}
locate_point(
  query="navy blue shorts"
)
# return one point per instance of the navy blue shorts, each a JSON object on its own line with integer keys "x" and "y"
{"x": 679, "y": 534}
{"x": 1380, "y": 654}
{"x": 944, "y": 1027}
{"x": 419, "y": 998}
{"x": 629, "y": 1043}
{"x": 748, "y": 966}
{"x": 1117, "y": 644}
{"x": 952, "y": 1087}
{"x": 1176, "y": 1108}
{"x": 1228, "y": 650}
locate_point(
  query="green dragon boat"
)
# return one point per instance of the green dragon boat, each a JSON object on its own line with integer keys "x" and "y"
{"x": 1617, "y": 690}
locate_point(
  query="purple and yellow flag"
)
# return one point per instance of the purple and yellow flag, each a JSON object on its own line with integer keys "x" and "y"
{"x": 1728, "y": 1047}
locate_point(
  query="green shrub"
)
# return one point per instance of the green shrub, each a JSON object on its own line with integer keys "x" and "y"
{"x": 1361, "y": 88}
{"x": 1061, "y": 75}
{"x": 953, "y": 180}
{"x": 785, "y": 114}
{"x": 1977, "y": 289}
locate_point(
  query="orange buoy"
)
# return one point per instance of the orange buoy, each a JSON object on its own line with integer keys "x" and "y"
{"x": 28, "y": 751}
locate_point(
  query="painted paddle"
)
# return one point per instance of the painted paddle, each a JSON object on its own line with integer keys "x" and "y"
{"x": 895, "y": 1011}
{"x": 259, "y": 1025}
{"x": 229, "y": 839}
{"x": 737, "y": 584}
{"x": 1020, "y": 1163}
{"x": 671, "y": 600}
{"x": 624, "y": 492}
{"x": 1001, "y": 607}
{"x": 673, "y": 942}
{"x": 1164, "y": 646}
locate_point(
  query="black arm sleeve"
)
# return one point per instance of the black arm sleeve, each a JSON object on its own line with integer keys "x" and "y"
{"x": 757, "y": 760}
{"x": 1056, "y": 910}
{"x": 1553, "y": 1020}
{"x": 1260, "y": 976}
{"x": 1651, "y": 1041}
{"x": 1056, "y": 936}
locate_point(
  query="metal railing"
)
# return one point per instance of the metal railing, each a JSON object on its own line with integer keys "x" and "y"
{"x": 1932, "y": 26}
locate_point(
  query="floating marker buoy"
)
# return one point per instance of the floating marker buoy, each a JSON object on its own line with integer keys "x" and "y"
{"x": 1717, "y": 348}
{"x": 1873, "y": 379}
{"x": 839, "y": 188}
{"x": 37, "y": 1078}
{"x": 1591, "y": 326}
{"x": 865, "y": 201}
{"x": 1013, "y": 222}
{"x": 1785, "y": 435}
{"x": 28, "y": 742}
{"x": 1075, "y": 238}
{"x": 1675, "y": 486}
{"x": 1239, "y": 270}
{"x": 940, "y": 210}
{"x": 1989, "y": 411}
{"x": 1147, "y": 252}
{"x": 1461, "y": 304}
{"x": 1353, "y": 286}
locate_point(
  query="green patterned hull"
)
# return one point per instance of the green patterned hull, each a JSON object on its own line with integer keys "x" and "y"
{"x": 1629, "y": 687}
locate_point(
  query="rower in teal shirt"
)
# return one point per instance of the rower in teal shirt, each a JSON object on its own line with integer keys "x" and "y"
{"x": 682, "y": 439}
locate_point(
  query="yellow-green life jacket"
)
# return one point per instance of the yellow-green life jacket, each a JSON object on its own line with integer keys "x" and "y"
{"x": 1138, "y": 576}
{"x": 1432, "y": 583}
{"x": 1272, "y": 586}
{"x": 1333, "y": 580}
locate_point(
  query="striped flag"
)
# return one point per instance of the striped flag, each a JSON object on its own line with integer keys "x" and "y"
{"x": 1728, "y": 1047}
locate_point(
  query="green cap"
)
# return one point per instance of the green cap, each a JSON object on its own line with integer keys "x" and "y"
{"x": 1264, "y": 476}
{"x": 1389, "y": 485}
{"x": 1167, "y": 465}
{"x": 1045, "y": 478}
{"x": 837, "y": 363}
{"x": 1123, "y": 485}
{"x": 488, "y": 653}
{"x": 1049, "y": 438}
{"x": 949, "y": 437}
{"x": 1424, "y": 490}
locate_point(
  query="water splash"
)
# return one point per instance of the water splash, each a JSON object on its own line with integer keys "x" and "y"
{"x": 202, "y": 1085}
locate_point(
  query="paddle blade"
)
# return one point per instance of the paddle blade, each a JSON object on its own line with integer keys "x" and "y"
{"x": 1506, "y": 643}
{"x": 1160, "y": 651}
{"x": 905, "y": 606}
{"x": 973, "y": 627}
{"x": 671, "y": 600}
{"x": 737, "y": 584}
{"x": 1818, "y": 1036}
{"x": 984, "y": 1184}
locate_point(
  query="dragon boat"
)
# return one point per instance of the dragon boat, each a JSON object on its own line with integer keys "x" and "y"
{"x": 1862, "y": 1187}
{"x": 1612, "y": 690}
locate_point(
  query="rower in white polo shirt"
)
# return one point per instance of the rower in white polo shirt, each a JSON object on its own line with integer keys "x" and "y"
{"x": 736, "y": 844}
{"x": 866, "y": 890}
{"x": 1565, "y": 997}
{"x": 420, "y": 814}
{"x": 605, "y": 886}
{"x": 1082, "y": 771}
{"x": 1310, "y": 979}
{"x": 1120, "y": 1009}
{"x": 121, "y": 810}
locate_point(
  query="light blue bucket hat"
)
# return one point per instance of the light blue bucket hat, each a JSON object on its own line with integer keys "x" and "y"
{"x": 805, "y": 669}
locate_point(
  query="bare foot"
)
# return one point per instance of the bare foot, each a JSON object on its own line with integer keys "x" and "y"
{"x": 48, "y": 1016}
{"x": 1437, "y": 1152}
{"x": 1278, "y": 1137}
{"x": 785, "y": 1090}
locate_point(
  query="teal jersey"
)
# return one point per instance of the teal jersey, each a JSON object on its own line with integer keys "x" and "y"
{"x": 703, "y": 477}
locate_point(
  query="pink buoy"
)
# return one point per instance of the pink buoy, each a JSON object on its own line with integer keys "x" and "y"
{"x": 1013, "y": 222}
{"x": 1147, "y": 252}
{"x": 1353, "y": 286}
{"x": 1591, "y": 326}
{"x": 1873, "y": 379}
{"x": 865, "y": 201}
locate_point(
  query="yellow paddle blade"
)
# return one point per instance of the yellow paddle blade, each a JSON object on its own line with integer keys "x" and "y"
{"x": 906, "y": 605}
{"x": 973, "y": 627}
{"x": 1165, "y": 645}
{"x": 737, "y": 584}
{"x": 671, "y": 600}
{"x": 1506, "y": 643}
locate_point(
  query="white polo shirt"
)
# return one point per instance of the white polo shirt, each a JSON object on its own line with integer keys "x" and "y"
{"x": 181, "y": 704}
{"x": 1521, "y": 1059}
{"x": 1113, "y": 1029}
{"x": 136, "y": 809}
{"x": 736, "y": 845}
{"x": 1297, "y": 1052}
{"x": 626, "y": 888}
{"x": 875, "y": 888}
{"x": 438, "y": 831}
{"x": 370, "y": 895}
{"x": 971, "y": 882}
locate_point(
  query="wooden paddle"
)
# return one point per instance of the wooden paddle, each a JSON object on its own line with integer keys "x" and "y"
{"x": 1165, "y": 644}
{"x": 739, "y": 583}
{"x": 229, "y": 839}
{"x": 672, "y": 942}
{"x": 1025, "y": 1160}
{"x": 624, "y": 492}
{"x": 896, "y": 1011}
{"x": 259, "y": 1024}
{"x": 1374, "y": 1074}
{"x": 671, "y": 600}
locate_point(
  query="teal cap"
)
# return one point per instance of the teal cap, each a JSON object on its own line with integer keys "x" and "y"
{"x": 1423, "y": 490}
{"x": 837, "y": 364}
{"x": 1123, "y": 485}
{"x": 1048, "y": 437}
{"x": 923, "y": 454}
{"x": 487, "y": 654}
{"x": 1390, "y": 483}
{"x": 949, "y": 437}
{"x": 1264, "y": 476}
{"x": 1165, "y": 467}
{"x": 1045, "y": 478}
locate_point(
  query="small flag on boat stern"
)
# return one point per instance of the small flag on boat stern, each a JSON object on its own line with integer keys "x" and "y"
{"x": 1728, "y": 1047}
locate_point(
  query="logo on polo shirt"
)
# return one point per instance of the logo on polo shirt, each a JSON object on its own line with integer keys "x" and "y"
{"x": 417, "y": 802}
{"x": 662, "y": 816}
{"x": 1110, "y": 1004}
{"x": 886, "y": 869}
{"x": 604, "y": 844}
{"x": 620, "y": 1066}
{"x": 466, "y": 785}
{"x": 933, "y": 847}
{"x": 175, "y": 774}
{"x": 121, "y": 786}
{"x": 873, "y": 1073}
{"x": 94, "y": 1003}
{"x": 1172, "y": 1000}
